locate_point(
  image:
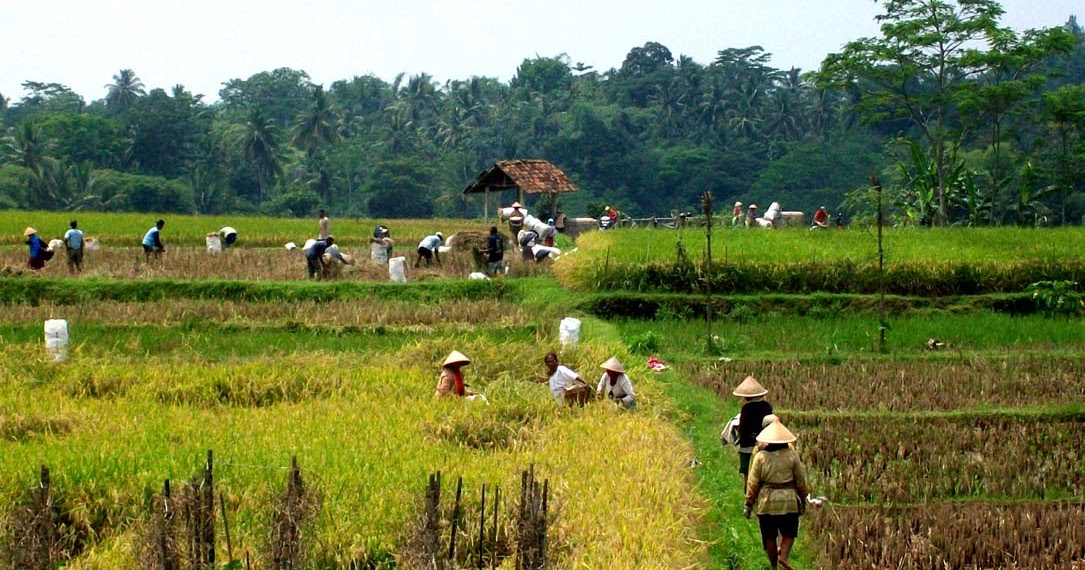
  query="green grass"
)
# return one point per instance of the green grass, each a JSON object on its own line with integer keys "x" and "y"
{"x": 781, "y": 336}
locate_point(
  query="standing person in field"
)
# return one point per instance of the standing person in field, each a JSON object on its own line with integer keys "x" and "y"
{"x": 35, "y": 249}
{"x": 614, "y": 384}
{"x": 495, "y": 253}
{"x": 324, "y": 224}
{"x": 821, "y": 219}
{"x": 73, "y": 245}
{"x": 736, "y": 215}
{"x": 750, "y": 419}
{"x": 380, "y": 245}
{"x": 450, "y": 382}
{"x": 777, "y": 490}
{"x": 559, "y": 377}
{"x": 429, "y": 249}
{"x": 152, "y": 240}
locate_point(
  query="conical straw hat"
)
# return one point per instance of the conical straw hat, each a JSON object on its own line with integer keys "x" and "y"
{"x": 750, "y": 388}
{"x": 516, "y": 205}
{"x": 614, "y": 365}
{"x": 29, "y": 231}
{"x": 776, "y": 433}
{"x": 456, "y": 357}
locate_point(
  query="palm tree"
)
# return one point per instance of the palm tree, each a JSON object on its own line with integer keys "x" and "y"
{"x": 124, "y": 91}
{"x": 261, "y": 146}
{"x": 29, "y": 149}
{"x": 317, "y": 125}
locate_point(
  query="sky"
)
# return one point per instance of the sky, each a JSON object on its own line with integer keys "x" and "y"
{"x": 202, "y": 44}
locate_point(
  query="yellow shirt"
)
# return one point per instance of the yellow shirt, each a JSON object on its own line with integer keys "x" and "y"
{"x": 777, "y": 482}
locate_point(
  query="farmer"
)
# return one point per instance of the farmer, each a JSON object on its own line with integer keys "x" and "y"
{"x": 614, "y": 384}
{"x": 516, "y": 218}
{"x": 36, "y": 255}
{"x": 527, "y": 240}
{"x": 821, "y": 219}
{"x": 750, "y": 417}
{"x": 559, "y": 377}
{"x": 314, "y": 256}
{"x": 495, "y": 253}
{"x": 450, "y": 382}
{"x": 751, "y": 216}
{"x": 73, "y": 246}
{"x": 776, "y": 490}
{"x": 152, "y": 240}
{"x": 429, "y": 249}
{"x": 381, "y": 245}
{"x": 736, "y": 215}
{"x": 228, "y": 236}
{"x": 324, "y": 224}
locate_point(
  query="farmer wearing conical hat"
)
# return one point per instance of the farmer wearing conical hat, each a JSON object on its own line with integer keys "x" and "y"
{"x": 614, "y": 384}
{"x": 36, "y": 254}
{"x": 776, "y": 490}
{"x": 451, "y": 379}
{"x": 751, "y": 415}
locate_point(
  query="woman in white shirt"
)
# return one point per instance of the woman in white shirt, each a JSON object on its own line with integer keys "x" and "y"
{"x": 615, "y": 384}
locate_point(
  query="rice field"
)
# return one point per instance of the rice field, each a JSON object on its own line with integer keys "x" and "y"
{"x": 965, "y": 453}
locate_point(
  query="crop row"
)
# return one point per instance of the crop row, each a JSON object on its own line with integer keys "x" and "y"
{"x": 247, "y": 264}
{"x": 1035, "y": 535}
{"x": 918, "y": 279}
{"x": 937, "y": 383}
{"x": 197, "y": 313}
{"x": 923, "y": 458}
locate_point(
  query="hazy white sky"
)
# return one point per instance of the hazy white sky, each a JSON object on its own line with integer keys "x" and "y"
{"x": 203, "y": 43}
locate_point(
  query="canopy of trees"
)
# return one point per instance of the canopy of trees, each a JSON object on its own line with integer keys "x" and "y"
{"x": 962, "y": 120}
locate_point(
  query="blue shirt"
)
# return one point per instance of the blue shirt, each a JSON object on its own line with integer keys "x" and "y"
{"x": 35, "y": 245}
{"x": 430, "y": 242}
{"x": 74, "y": 238}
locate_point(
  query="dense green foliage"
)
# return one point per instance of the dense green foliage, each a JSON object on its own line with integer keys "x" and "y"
{"x": 999, "y": 132}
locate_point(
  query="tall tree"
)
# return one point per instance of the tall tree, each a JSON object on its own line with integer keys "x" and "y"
{"x": 927, "y": 51}
{"x": 317, "y": 125}
{"x": 261, "y": 145}
{"x": 123, "y": 92}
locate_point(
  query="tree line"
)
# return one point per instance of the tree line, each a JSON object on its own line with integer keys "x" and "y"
{"x": 962, "y": 120}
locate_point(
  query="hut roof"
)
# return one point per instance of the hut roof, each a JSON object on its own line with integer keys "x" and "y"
{"x": 533, "y": 176}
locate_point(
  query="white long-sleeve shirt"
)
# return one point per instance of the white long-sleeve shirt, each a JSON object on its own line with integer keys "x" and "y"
{"x": 622, "y": 389}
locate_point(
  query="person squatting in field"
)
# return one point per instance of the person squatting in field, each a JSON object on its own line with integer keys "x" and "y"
{"x": 559, "y": 377}
{"x": 615, "y": 385}
{"x": 776, "y": 489}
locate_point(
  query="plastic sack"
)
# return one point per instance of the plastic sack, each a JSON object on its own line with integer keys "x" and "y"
{"x": 569, "y": 332}
{"x": 397, "y": 269}
{"x": 214, "y": 243}
{"x": 56, "y": 338}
